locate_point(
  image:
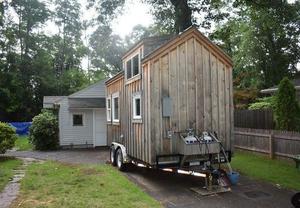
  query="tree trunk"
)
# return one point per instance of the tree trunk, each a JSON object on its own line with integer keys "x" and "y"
{"x": 183, "y": 15}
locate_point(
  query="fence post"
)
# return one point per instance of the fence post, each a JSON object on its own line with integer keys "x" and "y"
{"x": 271, "y": 145}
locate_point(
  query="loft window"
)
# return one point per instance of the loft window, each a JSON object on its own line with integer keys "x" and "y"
{"x": 133, "y": 67}
{"x": 108, "y": 109}
{"x": 77, "y": 120}
{"x": 115, "y": 107}
{"x": 128, "y": 69}
{"x": 137, "y": 106}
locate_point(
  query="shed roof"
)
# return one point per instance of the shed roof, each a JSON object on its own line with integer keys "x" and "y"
{"x": 96, "y": 90}
{"x": 52, "y": 99}
{"x": 86, "y": 102}
{"x": 273, "y": 89}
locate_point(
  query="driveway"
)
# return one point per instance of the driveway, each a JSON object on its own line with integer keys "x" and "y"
{"x": 173, "y": 190}
{"x": 76, "y": 156}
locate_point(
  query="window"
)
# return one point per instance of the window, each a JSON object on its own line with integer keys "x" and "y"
{"x": 115, "y": 107}
{"x": 133, "y": 67}
{"x": 128, "y": 69}
{"x": 77, "y": 120}
{"x": 137, "y": 106}
{"x": 108, "y": 109}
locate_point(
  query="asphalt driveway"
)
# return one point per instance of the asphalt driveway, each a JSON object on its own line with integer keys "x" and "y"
{"x": 173, "y": 190}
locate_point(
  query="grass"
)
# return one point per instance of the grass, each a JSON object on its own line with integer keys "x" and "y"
{"x": 53, "y": 184}
{"x": 22, "y": 144}
{"x": 260, "y": 167}
{"x": 6, "y": 170}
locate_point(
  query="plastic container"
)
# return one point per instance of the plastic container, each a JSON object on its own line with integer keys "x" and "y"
{"x": 233, "y": 177}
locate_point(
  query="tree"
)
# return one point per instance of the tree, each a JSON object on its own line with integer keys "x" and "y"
{"x": 70, "y": 48}
{"x": 263, "y": 40}
{"x": 287, "y": 110}
{"x": 171, "y": 15}
{"x": 106, "y": 50}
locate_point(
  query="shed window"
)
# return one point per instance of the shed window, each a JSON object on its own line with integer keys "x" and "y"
{"x": 137, "y": 106}
{"x": 133, "y": 67}
{"x": 108, "y": 109}
{"x": 77, "y": 120}
{"x": 115, "y": 107}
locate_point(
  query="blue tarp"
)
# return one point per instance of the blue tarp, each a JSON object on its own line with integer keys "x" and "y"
{"x": 22, "y": 128}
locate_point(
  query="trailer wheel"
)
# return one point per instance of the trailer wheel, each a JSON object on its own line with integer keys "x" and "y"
{"x": 113, "y": 156}
{"x": 120, "y": 163}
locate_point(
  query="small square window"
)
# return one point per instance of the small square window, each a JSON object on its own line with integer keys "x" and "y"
{"x": 77, "y": 120}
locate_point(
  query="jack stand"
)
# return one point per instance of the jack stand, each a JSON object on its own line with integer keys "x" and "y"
{"x": 210, "y": 189}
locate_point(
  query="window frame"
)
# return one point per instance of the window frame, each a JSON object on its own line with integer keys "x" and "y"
{"x": 108, "y": 109}
{"x": 82, "y": 119}
{"x": 130, "y": 59}
{"x": 115, "y": 95}
{"x": 135, "y": 97}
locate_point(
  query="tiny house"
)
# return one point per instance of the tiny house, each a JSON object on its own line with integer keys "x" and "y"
{"x": 170, "y": 84}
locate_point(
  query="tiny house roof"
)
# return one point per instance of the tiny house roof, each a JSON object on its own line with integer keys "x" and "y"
{"x": 154, "y": 46}
{"x": 190, "y": 30}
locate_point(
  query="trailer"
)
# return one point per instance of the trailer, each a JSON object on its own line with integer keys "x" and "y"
{"x": 171, "y": 107}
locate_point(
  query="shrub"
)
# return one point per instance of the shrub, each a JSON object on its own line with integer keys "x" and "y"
{"x": 262, "y": 103}
{"x": 44, "y": 131}
{"x": 286, "y": 108}
{"x": 7, "y": 137}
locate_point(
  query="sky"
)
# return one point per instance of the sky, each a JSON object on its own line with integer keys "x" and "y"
{"x": 134, "y": 13}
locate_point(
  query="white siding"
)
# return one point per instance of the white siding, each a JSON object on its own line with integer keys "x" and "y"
{"x": 75, "y": 135}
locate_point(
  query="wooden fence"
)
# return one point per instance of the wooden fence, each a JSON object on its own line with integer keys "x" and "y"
{"x": 272, "y": 142}
{"x": 256, "y": 119}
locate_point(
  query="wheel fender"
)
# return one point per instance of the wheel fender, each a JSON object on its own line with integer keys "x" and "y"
{"x": 116, "y": 146}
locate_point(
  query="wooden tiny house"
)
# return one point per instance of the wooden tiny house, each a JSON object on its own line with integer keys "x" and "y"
{"x": 170, "y": 84}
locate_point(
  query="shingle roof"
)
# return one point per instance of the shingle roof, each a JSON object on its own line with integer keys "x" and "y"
{"x": 96, "y": 90}
{"x": 273, "y": 89}
{"x": 52, "y": 99}
{"x": 86, "y": 102}
{"x": 150, "y": 44}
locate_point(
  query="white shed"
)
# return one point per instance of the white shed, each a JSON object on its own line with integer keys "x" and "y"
{"x": 82, "y": 117}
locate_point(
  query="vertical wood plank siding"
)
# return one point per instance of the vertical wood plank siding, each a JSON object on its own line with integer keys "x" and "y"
{"x": 199, "y": 83}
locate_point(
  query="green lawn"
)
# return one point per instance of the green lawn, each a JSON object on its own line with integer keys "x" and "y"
{"x": 260, "y": 167}
{"x": 6, "y": 170}
{"x": 22, "y": 143}
{"x": 53, "y": 184}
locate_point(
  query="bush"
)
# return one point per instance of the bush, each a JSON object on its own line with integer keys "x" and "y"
{"x": 286, "y": 108}
{"x": 7, "y": 137}
{"x": 44, "y": 131}
{"x": 262, "y": 103}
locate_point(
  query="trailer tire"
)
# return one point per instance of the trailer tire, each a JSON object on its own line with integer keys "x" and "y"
{"x": 113, "y": 156}
{"x": 119, "y": 160}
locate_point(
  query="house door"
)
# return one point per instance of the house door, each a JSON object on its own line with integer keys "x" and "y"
{"x": 99, "y": 127}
